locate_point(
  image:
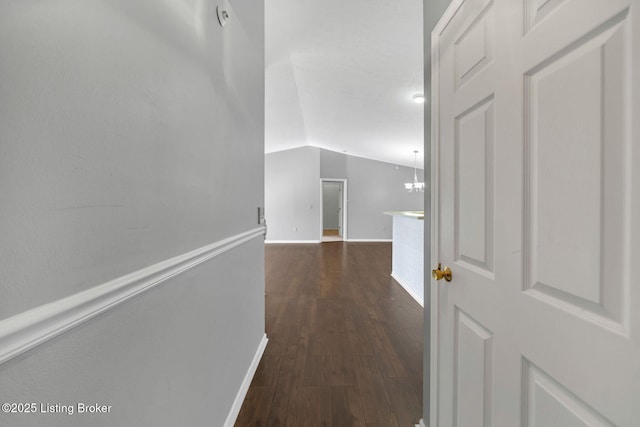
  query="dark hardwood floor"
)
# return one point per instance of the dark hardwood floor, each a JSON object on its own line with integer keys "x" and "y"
{"x": 345, "y": 341}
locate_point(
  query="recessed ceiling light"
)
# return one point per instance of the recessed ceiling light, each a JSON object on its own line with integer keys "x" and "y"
{"x": 418, "y": 98}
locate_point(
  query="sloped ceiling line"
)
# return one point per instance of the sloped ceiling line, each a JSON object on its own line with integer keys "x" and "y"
{"x": 352, "y": 68}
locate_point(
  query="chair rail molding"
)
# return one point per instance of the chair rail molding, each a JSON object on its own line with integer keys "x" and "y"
{"x": 31, "y": 328}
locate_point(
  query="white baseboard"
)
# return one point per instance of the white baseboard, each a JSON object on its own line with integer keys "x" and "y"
{"x": 421, "y": 423}
{"x": 410, "y": 291}
{"x": 291, "y": 241}
{"x": 31, "y": 328}
{"x": 370, "y": 240}
{"x": 244, "y": 387}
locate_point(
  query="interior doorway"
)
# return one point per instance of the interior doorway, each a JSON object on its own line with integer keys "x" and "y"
{"x": 333, "y": 219}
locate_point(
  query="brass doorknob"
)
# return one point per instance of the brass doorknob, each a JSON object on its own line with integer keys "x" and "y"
{"x": 438, "y": 274}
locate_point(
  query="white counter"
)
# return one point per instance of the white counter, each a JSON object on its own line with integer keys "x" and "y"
{"x": 408, "y": 252}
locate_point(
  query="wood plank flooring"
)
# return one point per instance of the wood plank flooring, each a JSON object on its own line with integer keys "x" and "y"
{"x": 345, "y": 341}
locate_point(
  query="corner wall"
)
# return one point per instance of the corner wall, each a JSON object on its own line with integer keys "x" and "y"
{"x": 292, "y": 194}
{"x": 131, "y": 135}
{"x": 376, "y": 187}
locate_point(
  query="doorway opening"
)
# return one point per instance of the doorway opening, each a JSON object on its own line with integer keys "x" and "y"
{"x": 333, "y": 221}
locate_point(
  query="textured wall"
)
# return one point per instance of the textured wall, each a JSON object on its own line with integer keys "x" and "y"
{"x": 131, "y": 131}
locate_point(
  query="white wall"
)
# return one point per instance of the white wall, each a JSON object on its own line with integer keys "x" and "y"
{"x": 292, "y": 194}
{"x": 376, "y": 187}
{"x": 131, "y": 131}
{"x": 407, "y": 265}
{"x": 333, "y": 164}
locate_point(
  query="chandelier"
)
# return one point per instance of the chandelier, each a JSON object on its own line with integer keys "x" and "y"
{"x": 415, "y": 185}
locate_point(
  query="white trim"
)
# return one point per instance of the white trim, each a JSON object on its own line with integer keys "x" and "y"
{"x": 435, "y": 205}
{"x": 291, "y": 241}
{"x": 407, "y": 288}
{"x": 244, "y": 387}
{"x": 370, "y": 240}
{"x": 31, "y": 328}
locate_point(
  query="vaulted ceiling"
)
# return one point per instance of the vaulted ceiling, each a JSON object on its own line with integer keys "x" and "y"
{"x": 341, "y": 75}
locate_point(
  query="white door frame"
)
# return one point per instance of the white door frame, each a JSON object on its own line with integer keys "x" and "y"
{"x": 344, "y": 205}
{"x": 435, "y": 220}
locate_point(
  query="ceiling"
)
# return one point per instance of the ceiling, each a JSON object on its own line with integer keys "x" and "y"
{"x": 341, "y": 75}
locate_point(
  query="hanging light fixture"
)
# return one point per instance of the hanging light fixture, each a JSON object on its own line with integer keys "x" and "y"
{"x": 415, "y": 185}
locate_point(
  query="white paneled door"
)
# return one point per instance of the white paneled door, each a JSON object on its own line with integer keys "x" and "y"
{"x": 536, "y": 196}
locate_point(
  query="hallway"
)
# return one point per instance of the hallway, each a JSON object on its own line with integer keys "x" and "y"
{"x": 345, "y": 341}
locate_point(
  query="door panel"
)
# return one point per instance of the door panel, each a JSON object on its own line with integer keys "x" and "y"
{"x": 548, "y": 404}
{"x": 474, "y": 47}
{"x": 575, "y": 156}
{"x": 536, "y": 209}
{"x": 474, "y": 186}
{"x": 536, "y": 10}
{"x": 472, "y": 372}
